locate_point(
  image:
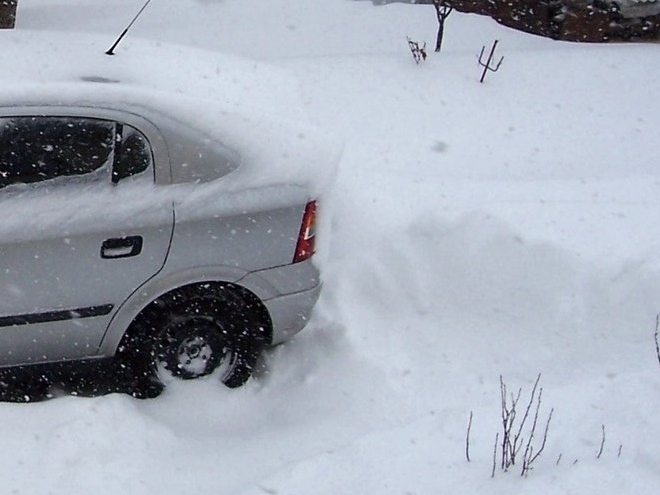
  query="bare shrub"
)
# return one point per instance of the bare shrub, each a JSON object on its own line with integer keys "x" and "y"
{"x": 518, "y": 432}
{"x": 418, "y": 50}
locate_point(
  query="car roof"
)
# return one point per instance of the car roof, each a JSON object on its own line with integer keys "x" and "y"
{"x": 249, "y": 107}
{"x": 49, "y": 58}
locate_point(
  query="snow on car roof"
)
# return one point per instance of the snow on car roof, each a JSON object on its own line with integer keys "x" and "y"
{"x": 81, "y": 58}
{"x": 251, "y": 107}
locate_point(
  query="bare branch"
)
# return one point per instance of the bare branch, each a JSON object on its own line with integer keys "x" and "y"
{"x": 513, "y": 427}
{"x": 528, "y": 448}
{"x": 488, "y": 64}
{"x": 508, "y": 420}
{"x": 467, "y": 439}
{"x": 517, "y": 438}
{"x": 497, "y": 438}
{"x": 505, "y": 422}
{"x": 657, "y": 338}
{"x": 545, "y": 439}
{"x": 602, "y": 443}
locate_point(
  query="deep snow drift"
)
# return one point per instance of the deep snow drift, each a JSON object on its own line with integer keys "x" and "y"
{"x": 474, "y": 230}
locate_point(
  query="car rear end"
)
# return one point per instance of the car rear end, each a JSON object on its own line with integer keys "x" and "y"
{"x": 290, "y": 291}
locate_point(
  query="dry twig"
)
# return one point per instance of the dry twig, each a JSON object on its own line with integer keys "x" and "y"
{"x": 657, "y": 338}
{"x": 497, "y": 441}
{"x": 528, "y": 461}
{"x": 602, "y": 443}
{"x": 467, "y": 439}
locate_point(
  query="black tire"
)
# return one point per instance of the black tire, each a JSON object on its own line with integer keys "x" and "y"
{"x": 195, "y": 331}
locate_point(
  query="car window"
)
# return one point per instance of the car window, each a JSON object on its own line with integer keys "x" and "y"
{"x": 132, "y": 154}
{"x": 35, "y": 149}
{"x": 41, "y": 148}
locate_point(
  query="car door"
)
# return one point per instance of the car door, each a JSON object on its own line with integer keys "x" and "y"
{"x": 81, "y": 228}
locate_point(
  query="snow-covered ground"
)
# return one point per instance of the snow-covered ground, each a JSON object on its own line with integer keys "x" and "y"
{"x": 510, "y": 228}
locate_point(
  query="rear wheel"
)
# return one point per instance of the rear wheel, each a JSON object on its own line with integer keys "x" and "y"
{"x": 195, "y": 331}
{"x": 195, "y": 346}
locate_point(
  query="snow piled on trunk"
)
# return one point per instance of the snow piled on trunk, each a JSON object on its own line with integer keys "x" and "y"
{"x": 476, "y": 230}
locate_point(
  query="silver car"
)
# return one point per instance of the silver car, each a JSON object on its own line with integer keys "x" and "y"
{"x": 151, "y": 228}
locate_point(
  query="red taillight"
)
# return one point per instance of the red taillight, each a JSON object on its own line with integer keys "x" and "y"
{"x": 307, "y": 236}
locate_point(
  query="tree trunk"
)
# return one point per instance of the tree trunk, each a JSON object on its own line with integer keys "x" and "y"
{"x": 442, "y": 11}
{"x": 8, "y": 13}
{"x": 441, "y": 32}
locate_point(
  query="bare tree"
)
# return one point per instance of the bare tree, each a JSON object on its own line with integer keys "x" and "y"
{"x": 442, "y": 11}
{"x": 8, "y": 13}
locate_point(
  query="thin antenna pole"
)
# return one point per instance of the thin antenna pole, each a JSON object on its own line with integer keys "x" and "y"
{"x": 111, "y": 51}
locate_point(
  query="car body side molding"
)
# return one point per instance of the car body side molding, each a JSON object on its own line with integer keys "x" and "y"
{"x": 61, "y": 315}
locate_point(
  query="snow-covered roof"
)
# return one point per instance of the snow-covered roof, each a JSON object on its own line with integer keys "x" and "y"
{"x": 80, "y": 59}
{"x": 249, "y": 106}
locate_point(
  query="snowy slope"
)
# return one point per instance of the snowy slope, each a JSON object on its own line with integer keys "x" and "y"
{"x": 476, "y": 230}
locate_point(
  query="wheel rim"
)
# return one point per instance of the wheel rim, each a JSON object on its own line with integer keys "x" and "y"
{"x": 194, "y": 355}
{"x": 192, "y": 347}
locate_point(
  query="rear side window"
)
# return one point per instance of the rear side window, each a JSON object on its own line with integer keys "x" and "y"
{"x": 40, "y": 148}
{"x": 132, "y": 153}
